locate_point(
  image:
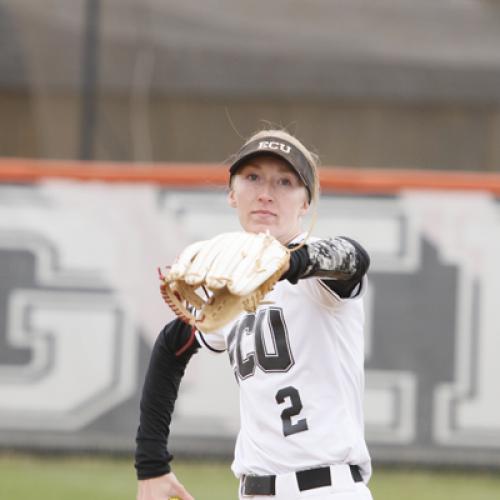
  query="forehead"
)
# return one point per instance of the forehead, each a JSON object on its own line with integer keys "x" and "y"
{"x": 268, "y": 162}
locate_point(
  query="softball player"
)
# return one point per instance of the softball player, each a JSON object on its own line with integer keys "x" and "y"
{"x": 298, "y": 359}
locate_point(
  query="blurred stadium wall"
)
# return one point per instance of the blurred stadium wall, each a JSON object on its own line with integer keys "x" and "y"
{"x": 80, "y": 307}
{"x": 376, "y": 84}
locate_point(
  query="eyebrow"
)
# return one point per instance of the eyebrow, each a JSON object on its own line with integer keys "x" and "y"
{"x": 285, "y": 169}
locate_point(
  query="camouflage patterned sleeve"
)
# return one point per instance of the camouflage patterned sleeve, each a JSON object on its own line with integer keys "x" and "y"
{"x": 340, "y": 262}
{"x": 338, "y": 258}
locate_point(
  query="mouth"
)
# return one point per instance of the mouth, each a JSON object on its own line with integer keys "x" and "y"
{"x": 263, "y": 213}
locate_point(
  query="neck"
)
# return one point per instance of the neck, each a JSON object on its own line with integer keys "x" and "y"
{"x": 288, "y": 239}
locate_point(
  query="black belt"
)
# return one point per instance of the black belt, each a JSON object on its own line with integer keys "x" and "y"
{"x": 306, "y": 480}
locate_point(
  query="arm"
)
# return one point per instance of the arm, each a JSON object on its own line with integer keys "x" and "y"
{"x": 172, "y": 350}
{"x": 340, "y": 262}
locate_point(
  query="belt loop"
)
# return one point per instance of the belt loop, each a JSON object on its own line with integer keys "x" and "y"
{"x": 286, "y": 485}
{"x": 341, "y": 477}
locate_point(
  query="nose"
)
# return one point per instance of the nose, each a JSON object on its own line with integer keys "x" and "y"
{"x": 265, "y": 193}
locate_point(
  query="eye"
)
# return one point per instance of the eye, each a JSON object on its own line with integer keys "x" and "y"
{"x": 252, "y": 176}
{"x": 285, "y": 181}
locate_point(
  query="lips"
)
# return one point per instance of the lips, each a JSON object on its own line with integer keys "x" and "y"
{"x": 264, "y": 213}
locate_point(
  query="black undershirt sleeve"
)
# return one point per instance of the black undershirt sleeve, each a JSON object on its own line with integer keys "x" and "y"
{"x": 344, "y": 288}
{"x": 171, "y": 353}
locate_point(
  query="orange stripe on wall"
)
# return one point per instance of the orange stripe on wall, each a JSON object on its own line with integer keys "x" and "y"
{"x": 338, "y": 179}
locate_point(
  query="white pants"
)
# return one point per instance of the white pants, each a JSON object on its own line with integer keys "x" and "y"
{"x": 343, "y": 488}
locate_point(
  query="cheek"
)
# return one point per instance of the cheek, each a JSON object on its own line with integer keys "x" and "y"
{"x": 302, "y": 204}
{"x": 238, "y": 198}
{"x": 236, "y": 194}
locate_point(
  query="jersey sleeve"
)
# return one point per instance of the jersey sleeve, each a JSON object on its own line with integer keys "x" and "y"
{"x": 319, "y": 291}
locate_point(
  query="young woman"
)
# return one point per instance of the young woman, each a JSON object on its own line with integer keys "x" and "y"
{"x": 300, "y": 367}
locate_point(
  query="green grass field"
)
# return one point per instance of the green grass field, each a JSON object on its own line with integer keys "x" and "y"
{"x": 69, "y": 478}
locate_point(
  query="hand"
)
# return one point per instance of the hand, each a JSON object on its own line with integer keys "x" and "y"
{"x": 238, "y": 269}
{"x": 162, "y": 488}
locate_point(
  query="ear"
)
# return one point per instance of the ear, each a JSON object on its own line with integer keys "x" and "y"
{"x": 304, "y": 207}
{"x": 231, "y": 198}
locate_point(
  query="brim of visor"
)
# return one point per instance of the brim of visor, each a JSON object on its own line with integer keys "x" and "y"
{"x": 249, "y": 156}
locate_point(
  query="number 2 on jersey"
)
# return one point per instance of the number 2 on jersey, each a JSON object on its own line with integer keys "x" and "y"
{"x": 280, "y": 359}
{"x": 292, "y": 394}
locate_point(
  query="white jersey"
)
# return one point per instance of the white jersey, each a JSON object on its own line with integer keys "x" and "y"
{"x": 299, "y": 361}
